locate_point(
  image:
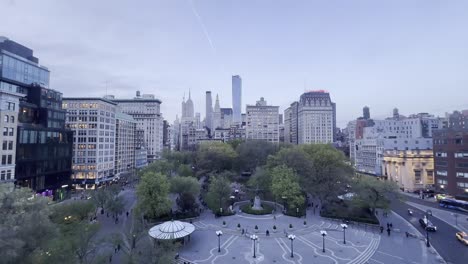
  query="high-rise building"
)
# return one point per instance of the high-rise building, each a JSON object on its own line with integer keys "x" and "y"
{"x": 36, "y": 124}
{"x": 236, "y": 99}
{"x": 226, "y": 117}
{"x": 187, "y": 107}
{"x": 145, "y": 109}
{"x": 290, "y": 123}
{"x": 262, "y": 121}
{"x": 209, "y": 111}
{"x": 125, "y": 143}
{"x": 366, "y": 112}
{"x": 451, "y": 156}
{"x": 316, "y": 118}
{"x": 216, "y": 116}
{"x": 92, "y": 121}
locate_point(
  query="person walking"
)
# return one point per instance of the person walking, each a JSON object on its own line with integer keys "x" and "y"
{"x": 381, "y": 229}
{"x": 110, "y": 259}
{"x": 388, "y": 231}
{"x": 127, "y": 213}
{"x": 267, "y": 233}
{"x": 391, "y": 225}
{"x": 118, "y": 247}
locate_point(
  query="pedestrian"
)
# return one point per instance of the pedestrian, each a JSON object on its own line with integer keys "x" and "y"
{"x": 407, "y": 234}
{"x": 118, "y": 247}
{"x": 274, "y": 217}
{"x": 127, "y": 213}
{"x": 267, "y": 233}
{"x": 381, "y": 229}
{"x": 388, "y": 225}
{"x": 243, "y": 231}
{"x": 391, "y": 225}
{"x": 388, "y": 231}
{"x": 110, "y": 259}
{"x": 115, "y": 250}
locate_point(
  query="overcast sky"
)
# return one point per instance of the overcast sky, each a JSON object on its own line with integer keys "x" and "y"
{"x": 407, "y": 54}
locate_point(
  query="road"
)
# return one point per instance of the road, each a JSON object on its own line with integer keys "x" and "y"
{"x": 444, "y": 240}
{"x": 431, "y": 203}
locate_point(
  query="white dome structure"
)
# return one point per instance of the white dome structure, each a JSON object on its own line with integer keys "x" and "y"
{"x": 171, "y": 230}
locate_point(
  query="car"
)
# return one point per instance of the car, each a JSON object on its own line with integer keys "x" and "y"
{"x": 462, "y": 237}
{"x": 426, "y": 224}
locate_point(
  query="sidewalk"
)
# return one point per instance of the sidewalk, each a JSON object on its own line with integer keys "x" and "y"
{"x": 459, "y": 222}
{"x": 397, "y": 248}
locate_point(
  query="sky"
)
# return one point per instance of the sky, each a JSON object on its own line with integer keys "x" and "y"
{"x": 412, "y": 55}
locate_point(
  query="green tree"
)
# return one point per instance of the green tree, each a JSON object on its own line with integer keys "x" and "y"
{"x": 293, "y": 157}
{"x": 372, "y": 193}
{"x": 215, "y": 156}
{"x": 254, "y": 153}
{"x": 261, "y": 178}
{"x": 285, "y": 184}
{"x": 159, "y": 166}
{"x": 152, "y": 192}
{"x": 218, "y": 194}
{"x": 116, "y": 205}
{"x": 25, "y": 227}
{"x": 330, "y": 172}
{"x": 184, "y": 170}
{"x": 186, "y": 202}
{"x": 180, "y": 185}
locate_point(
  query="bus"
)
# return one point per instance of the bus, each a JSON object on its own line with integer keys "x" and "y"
{"x": 454, "y": 204}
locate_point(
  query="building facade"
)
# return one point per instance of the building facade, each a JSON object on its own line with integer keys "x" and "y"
{"x": 412, "y": 170}
{"x": 145, "y": 110}
{"x": 93, "y": 122}
{"x": 236, "y": 99}
{"x": 316, "y": 118}
{"x": 262, "y": 122}
{"x": 43, "y": 145}
{"x": 125, "y": 143}
{"x": 451, "y": 156}
{"x": 208, "y": 110}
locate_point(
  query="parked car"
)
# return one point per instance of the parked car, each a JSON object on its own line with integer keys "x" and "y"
{"x": 426, "y": 224}
{"x": 462, "y": 237}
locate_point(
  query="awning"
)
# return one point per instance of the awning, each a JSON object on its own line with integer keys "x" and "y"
{"x": 171, "y": 230}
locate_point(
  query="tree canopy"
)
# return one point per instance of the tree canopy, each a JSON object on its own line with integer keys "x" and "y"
{"x": 152, "y": 192}
{"x": 218, "y": 194}
{"x": 215, "y": 157}
{"x": 285, "y": 185}
{"x": 373, "y": 193}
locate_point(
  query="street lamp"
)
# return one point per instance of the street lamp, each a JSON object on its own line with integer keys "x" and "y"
{"x": 344, "y": 226}
{"x": 254, "y": 238}
{"x": 456, "y": 218}
{"x": 323, "y": 233}
{"x": 297, "y": 211}
{"x": 292, "y": 237}
{"x": 219, "y": 233}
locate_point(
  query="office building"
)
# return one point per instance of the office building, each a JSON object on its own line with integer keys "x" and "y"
{"x": 216, "y": 115}
{"x": 43, "y": 145}
{"x": 93, "y": 122}
{"x": 316, "y": 118}
{"x": 262, "y": 122}
{"x": 209, "y": 111}
{"x": 236, "y": 99}
{"x": 145, "y": 109}
{"x": 291, "y": 123}
{"x": 451, "y": 156}
{"x": 125, "y": 140}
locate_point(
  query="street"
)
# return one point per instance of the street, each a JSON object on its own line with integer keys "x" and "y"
{"x": 443, "y": 240}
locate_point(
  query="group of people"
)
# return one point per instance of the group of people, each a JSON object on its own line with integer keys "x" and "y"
{"x": 389, "y": 228}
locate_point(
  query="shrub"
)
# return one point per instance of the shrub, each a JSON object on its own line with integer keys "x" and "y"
{"x": 267, "y": 209}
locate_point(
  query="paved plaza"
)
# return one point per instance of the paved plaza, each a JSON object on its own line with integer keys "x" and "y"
{"x": 364, "y": 244}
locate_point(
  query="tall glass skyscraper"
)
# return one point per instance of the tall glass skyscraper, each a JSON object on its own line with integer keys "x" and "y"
{"x": 236, "y": 99}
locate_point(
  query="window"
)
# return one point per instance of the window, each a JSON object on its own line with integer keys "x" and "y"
{"x": 417, "y": 176}
{"x": 5, "y": 119}
{"x": 462, "y": 174}
{"x": 441, "y": 154}
{"x": 441, "y": 163}
{"x": 3, "y": 175}
{"x": 441, "y": 173}
{"x": 462, "y": 165}
{"x": 4, "y": 159}
{"x": 11, "y": 131}
{"x": 4, "y": 145}
{"x": 12, "y": 119}
{"x": 462, "y": 184}
{"x": 10, "y": 159}
{"x": 458, "y": 141}
{"x": 461, "y": 155}
{"x": 442, "y": 181}
{"x": 11, "y": 106}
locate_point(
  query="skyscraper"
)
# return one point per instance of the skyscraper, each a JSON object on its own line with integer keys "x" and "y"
{"x": 236, "y": 99}
{"x": 366, "y": 112}
{"x": 189, "y": 108}
{"x": 262, "y": 121}
{"x": 216, "y": 116}
{"x": 209, "y": 110}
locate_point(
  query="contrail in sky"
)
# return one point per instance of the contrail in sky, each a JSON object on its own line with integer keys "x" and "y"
{"x": 207, "y": 35}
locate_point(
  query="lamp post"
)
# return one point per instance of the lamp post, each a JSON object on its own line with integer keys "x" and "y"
{"x": 456, "y": 218}
{"x": 254, "y": 238}
{"x": 324, "y": 234}
{"x": 292, "y": 237}
{"x": 219, "y": 233}
{"x": 344, "y": 226}
{"x": 297, "y": 211}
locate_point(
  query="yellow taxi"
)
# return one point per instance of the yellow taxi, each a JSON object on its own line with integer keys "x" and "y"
{"x": 463, "y": 237}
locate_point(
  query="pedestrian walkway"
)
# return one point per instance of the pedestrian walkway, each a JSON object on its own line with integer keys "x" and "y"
{"x": 397, "y": 248}
{"x": 458, "y": 221}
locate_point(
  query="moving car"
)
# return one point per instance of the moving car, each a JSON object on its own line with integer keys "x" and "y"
{"x": 426, "y": 224}
{"x": 463, "y": 237}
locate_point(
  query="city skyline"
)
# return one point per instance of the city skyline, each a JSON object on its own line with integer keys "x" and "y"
{"x": 389, "y": 52}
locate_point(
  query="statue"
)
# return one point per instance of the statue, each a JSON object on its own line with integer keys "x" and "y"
{"x": 257, "y": 202}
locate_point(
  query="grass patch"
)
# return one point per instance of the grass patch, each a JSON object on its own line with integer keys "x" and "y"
{"x": 267, "y": 209}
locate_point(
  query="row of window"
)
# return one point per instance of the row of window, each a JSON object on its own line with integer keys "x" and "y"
{"x": 9, "y": 119}
{"x": 7, "y": 159}
{"x": 5, "y": 175}
{"x": 456, "y": 155}
{"x": 7, "y": 145}
{"x": 8, "y": 131}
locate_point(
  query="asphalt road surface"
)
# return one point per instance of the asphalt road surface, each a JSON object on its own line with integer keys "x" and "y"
{"x": 443, "y": 240}
{"x": 432, "y": 204}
